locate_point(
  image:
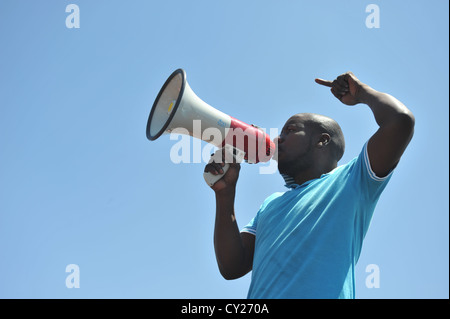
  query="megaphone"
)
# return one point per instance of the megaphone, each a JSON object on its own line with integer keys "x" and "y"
{"x": 177, "y": 106}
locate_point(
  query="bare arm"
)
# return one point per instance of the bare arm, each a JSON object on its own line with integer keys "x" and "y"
{"x": 395, "y": 120}
{"x": 234, "y": 250}
{"x": 396, "y": 130}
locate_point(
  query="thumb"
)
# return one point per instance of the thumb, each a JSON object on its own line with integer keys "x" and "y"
{"x": 351, "y": 78}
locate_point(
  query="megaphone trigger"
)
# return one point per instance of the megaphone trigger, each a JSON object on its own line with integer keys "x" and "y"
{"x": 237, "y": 154}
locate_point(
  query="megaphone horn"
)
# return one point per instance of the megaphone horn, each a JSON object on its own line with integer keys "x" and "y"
{"x": 177, "y": 106}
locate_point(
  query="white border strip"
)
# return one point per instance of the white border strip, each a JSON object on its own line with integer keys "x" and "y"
{"x": 249, "y": 230}
{"x": 369, "y": 168}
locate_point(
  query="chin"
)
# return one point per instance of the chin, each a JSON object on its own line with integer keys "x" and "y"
{"x": 282, "y": 169}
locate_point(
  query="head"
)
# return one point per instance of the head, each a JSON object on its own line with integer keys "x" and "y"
{"x": 309, "y": 142}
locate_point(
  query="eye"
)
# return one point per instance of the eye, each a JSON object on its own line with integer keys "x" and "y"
{"x": 289, "y": 129}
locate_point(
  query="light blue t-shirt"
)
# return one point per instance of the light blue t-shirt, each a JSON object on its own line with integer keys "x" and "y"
{"x": 309, "y": 238}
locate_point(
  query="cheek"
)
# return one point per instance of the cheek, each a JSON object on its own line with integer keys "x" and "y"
{"x": 290, "y": 154}
{"x": 297, "y": 152}
{"x": 298, "y": 144}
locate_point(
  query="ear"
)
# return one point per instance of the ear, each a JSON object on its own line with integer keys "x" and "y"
{"x": 324, "y": 140}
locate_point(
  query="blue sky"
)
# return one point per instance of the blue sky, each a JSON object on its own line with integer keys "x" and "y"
{"x": 81, "y": 184}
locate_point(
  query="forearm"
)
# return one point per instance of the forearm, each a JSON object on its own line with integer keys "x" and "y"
{"x": 386, "y": 108}
{"x": 230, "y": 253}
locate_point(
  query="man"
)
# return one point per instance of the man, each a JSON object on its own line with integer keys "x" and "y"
{"x": 305, "y": 242}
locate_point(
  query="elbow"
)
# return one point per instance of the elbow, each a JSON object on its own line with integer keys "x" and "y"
{"x": 232, "y": 274}
{"x": 406, "y": 121}
{"x": 229, "y": 275}
{"x": 410, "y": 119}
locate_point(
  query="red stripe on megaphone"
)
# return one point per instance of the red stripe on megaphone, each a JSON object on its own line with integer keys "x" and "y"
{"x": 256, "y": 144}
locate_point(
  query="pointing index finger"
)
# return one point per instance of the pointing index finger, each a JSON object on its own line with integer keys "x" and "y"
{"x": 324, "y": 82}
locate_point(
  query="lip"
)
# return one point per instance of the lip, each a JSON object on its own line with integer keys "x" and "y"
{"x": 277, "y": 152}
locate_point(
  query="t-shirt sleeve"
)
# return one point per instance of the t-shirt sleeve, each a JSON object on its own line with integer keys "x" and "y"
{"x": 371, "y": 185}
{"x": 251, "y": 227}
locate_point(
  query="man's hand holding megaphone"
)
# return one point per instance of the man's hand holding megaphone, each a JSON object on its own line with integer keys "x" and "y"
{"x": 220, "y": 164}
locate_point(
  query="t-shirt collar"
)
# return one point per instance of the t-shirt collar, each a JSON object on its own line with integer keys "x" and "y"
{"x": 290, "y": 182}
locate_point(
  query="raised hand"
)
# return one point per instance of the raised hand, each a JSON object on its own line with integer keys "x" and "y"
{"x": 346, "y": 87}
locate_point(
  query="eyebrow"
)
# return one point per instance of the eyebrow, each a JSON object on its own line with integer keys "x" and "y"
{"x": 299, "y": 125}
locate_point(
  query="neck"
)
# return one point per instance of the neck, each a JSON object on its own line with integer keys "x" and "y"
{"x": 306, "y": 176}
{"x": 313, "y": 173}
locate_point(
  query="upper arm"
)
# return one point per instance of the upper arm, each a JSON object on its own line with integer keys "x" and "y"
{"x": 387, "y": 145}
{"x": 248, "y": 241}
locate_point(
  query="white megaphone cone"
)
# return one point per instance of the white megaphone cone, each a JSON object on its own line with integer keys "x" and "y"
{"x": 177, "y": 106}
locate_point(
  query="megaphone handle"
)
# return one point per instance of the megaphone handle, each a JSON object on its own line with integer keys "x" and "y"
{"x": 211, "y": 179}
{"x": 238, "y": 155}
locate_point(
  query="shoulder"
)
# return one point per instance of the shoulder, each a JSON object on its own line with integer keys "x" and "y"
{"x": 359, "y": 165}
{"x": 271, "y": 198}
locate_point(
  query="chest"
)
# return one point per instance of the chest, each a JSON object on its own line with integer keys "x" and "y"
{"x": 320, "y": 207}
